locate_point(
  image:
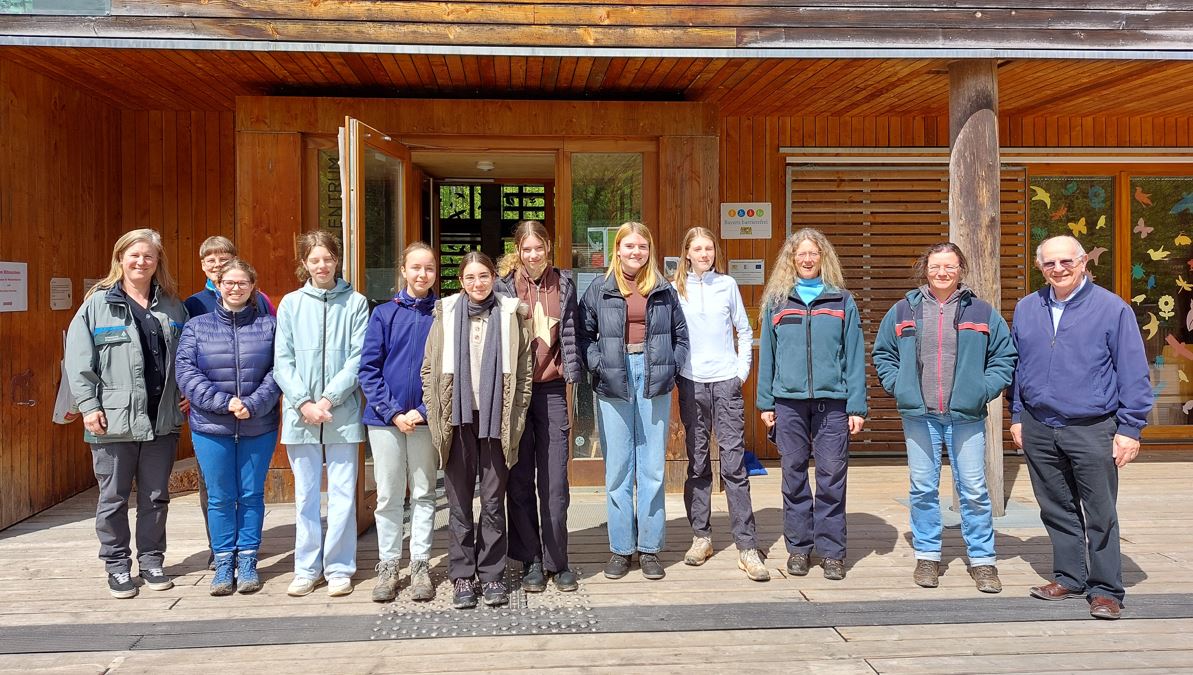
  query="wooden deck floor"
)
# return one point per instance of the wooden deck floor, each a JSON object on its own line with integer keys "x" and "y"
{"x": 49, "y": 576}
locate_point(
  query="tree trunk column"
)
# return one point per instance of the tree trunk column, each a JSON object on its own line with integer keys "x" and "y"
{"x": 974, "y": 213}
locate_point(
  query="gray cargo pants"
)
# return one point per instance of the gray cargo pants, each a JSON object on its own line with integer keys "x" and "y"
{"x": 116, "y": 465}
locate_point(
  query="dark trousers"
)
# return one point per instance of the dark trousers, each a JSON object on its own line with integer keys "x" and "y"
{"x": 1076, "y": 485}
{"x": 116, "y": 465}
{"x": 203, "y": 501}
{"x": 472, "y": 551}
{"x": 817, "y": 428}
{"x": 538, "y": 528}
{"x": 716, "y": 407}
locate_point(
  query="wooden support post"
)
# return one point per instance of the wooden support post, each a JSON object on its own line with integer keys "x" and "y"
{"x": 974, "y": 212}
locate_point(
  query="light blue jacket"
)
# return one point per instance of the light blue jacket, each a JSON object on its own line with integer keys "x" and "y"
{"x": 317, "y": 355}
{"x": 714, "y": 309}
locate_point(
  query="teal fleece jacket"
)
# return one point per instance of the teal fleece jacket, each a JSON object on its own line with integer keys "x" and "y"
{"x": 985, "y": 356}
{"x": 815, "y": 350}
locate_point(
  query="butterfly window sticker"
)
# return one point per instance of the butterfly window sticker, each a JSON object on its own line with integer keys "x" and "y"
{"x": 1081, "y": 207}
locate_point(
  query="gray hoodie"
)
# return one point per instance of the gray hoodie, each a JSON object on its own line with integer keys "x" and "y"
{"x": 938, "y": 349}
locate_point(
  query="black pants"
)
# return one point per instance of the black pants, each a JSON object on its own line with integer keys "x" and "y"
{"x": 116, "y": 466}
{"x": 538, "y": 528}
{"x": 816, "y": 428}
{"x": 705, "y": 408}
{"x": 472, "y": 551}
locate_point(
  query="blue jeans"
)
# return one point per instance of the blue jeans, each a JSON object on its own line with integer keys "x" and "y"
{"x": 634, "y": 440}
{"x": 966, "y": 444}
{"x": 235, "y": 474}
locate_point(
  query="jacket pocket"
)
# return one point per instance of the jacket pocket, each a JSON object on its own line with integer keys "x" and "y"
{"x": 117, "y": 409}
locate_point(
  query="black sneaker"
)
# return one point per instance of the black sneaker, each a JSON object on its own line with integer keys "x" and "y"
{"x": 566, "y": 581}
{"x": 533, "y": 579}
{"x": 155, "y": 578}
{"x": 463, "y": 594}
{"x": 651, "y": 567}
{"x": 121, "y": 585}
{"x": 495, "y": 593}
{"x": 797, "y": 564}
{"x": 617, "y": 567}
{"x": 834, "y": 569}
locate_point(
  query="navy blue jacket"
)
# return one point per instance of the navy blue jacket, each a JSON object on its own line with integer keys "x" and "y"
{"x": 392, "y": 357}
{"x": 1092, "y": 366}
{"x": 222, "y": 355}
{"x": 601, "y": 339}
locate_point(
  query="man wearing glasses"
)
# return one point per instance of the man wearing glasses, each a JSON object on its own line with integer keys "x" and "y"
{"x": 1079, "y": 401}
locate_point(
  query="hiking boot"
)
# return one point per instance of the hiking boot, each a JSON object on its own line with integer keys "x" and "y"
{"x": 223, "y": 582}
{"x": 700, "y": 551}
{"x": 387, "y": 581}
{"x": 751, "y": 563}
{"x": 986, "y": 578}
{"x": 210, "y": 561}
{"x": 834, "y": 569}
{"x": 301, "y": 586}
{"x": 533, "y": 579}
{"x": 651, "y": 567}
{"x": 797, "y": 564}
{"x": 927, "y": 573}
{"x": 247, "y": 579}
{"x": 121, "y": 586}
{"x": 155, "y": 578}
{"x": 566, "y": 581}
{"x": 421, "y": 588}
{"x": 495, "y": 593}
{"x": 617, "y": 567}
{"x": 463, "y": 594}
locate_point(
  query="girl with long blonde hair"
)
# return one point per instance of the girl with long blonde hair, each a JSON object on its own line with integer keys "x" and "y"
{"x": 634, "y": 339}
{"x": 816, "y": 399}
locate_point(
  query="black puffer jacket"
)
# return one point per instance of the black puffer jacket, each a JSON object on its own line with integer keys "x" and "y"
{"x": 601, "y": 337}
{"x": 573, "y": 368}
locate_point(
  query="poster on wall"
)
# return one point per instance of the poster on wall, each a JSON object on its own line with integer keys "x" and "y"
{"x": 14, "y": 287}
{"x": 748, "y": 272}
{"x": 745, "y": 220}
{"x": 61, "y": 293}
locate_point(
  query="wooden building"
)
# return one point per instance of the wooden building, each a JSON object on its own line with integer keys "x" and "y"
{"x": 454, "y": 119}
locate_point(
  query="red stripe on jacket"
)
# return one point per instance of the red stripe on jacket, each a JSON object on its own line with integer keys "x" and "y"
{"x": 902, "y": 326}
{"x": 979, "y": 327}
{"x": 786, "y": 313}
{"x": 839, "y": 313}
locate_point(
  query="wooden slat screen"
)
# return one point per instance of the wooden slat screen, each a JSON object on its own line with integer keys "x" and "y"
{"x": 879, "y": 219}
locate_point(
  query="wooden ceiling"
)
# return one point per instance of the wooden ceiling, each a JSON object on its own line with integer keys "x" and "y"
{"x": 152, "y": 79}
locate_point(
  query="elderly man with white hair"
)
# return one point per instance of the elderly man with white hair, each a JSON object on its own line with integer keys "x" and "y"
{"x": 1079, "y": 401}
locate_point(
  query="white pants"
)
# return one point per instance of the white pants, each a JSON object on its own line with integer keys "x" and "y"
{"x": 403, "y": 460}
{"x": 335, "y": 556}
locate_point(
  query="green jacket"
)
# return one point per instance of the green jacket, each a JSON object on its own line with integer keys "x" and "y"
{"x": 813, "y": 351}
{"x": 105, "y": 367}
{"x": 316, "y": 355}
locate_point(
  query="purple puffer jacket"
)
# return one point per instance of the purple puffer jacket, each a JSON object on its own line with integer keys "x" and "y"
{"x": 221, "y": 355}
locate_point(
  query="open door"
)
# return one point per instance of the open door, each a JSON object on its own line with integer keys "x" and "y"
{"x": 380, "y": 217}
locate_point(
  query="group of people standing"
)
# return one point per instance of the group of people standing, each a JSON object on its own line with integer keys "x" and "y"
{"x": 475, "y": 385}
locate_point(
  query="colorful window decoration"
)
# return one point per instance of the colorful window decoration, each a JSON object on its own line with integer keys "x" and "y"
{"x": 1080, "y": 206}
{"x": 1162, "y": 288}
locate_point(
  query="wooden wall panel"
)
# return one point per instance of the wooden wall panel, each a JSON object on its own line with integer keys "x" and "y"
{"x": 59, "y": 212}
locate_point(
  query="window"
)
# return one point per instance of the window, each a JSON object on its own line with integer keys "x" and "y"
{"x": 1079, "y": 206}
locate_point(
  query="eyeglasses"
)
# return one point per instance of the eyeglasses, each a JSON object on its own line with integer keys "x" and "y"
{"x": 215, "y": 262}
{"x": 242, "y": 285}
{"x": 808, "y": 255}
{"x": 481, "y": 279}
{"x": 936, "y": 269}
{"x": 1067, "y": 263}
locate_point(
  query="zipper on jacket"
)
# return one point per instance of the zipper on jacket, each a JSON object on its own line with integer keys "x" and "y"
{"x": 236, "y": 361}
{"x": 323, "y": 363}
{"x": 940, "y": 359}
{"x": 808, "y": 342}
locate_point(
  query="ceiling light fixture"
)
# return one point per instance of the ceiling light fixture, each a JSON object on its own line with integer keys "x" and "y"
{"x": 484, "y": 165}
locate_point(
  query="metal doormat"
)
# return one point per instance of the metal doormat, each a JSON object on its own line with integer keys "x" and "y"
{"x": 554, "y": 612}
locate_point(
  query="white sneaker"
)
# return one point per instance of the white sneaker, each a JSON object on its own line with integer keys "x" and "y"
{"x": 339, "y": 586}
{"x": 301, "y": 586}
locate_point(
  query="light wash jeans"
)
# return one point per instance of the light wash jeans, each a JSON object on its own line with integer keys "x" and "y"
{"x": 335, "y": 556}
{"x": 634, "y": 439}
{"x": 966, "y": 444}
{"x": 401, "y": 460}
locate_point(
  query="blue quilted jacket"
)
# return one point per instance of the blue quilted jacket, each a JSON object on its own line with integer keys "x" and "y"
{"x": 221, "y": 355}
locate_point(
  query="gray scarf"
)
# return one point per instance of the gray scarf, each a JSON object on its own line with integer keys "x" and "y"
{"x": 490, "y": 385}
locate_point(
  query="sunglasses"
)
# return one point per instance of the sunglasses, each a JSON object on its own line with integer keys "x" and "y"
{"x": 1067, "y": 263}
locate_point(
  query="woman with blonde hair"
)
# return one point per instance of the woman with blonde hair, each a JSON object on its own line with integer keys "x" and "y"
{"x": 811, "y": 393}
{"x": 538, "y": 493}
{"x": 120, "y": 365}
{"x": 710, "y": 399}
{"x": 320, "y": 331}
{"x": 634, "y": 339}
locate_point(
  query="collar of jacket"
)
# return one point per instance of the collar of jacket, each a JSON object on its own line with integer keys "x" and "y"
{"x": 829, "y": 293}
{"x": 340, "y": 288}
{"x": 915, "y": 296}
{"x": 1045, "y": 294}
{"x": 244, "y": 317}
{"x": 705, "y": 278}
{"x": 609, "y": 286}
{"x": 117, "y": 296}
{"x": 423, "y": 304}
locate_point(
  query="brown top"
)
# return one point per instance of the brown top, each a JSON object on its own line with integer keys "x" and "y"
{"x": 635, "y": 314}
{"x": 541, "y": 296}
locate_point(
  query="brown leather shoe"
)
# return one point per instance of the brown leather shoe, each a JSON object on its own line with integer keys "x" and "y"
{"x": 1054, "y": 591}
{"x": 1101, "y": 607}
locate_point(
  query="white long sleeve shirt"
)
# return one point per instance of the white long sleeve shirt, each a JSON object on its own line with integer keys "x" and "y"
{"x": 714, "y": 310}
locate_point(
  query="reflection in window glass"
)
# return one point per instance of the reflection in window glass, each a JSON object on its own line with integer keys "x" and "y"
{"x": 382, "y": 210}
{"x": 1079, "y": 206}
{"x": 1161, "y": 288}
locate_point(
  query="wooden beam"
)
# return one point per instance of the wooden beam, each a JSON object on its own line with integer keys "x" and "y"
{"x": 974, "y": 212}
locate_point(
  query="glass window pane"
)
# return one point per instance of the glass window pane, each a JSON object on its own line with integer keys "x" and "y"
{"x": 606, "y": 192}
{"x": 1161, "y": 271}
{"x": 1080, "y": 206}
{"x": 382, "y": 224}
